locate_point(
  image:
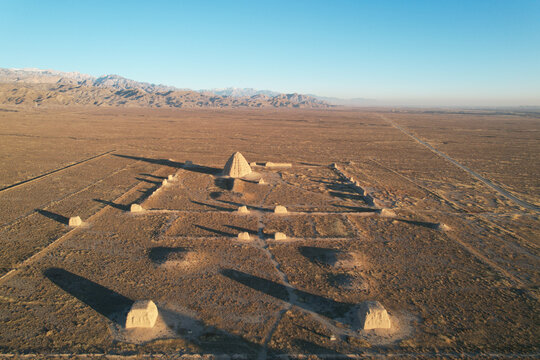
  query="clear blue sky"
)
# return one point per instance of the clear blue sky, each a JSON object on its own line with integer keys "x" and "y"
{"x": 432, "y": 52}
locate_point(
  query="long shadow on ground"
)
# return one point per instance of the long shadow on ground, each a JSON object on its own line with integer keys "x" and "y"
{"x": 347, "y": 195}
{"x": 217, "y": 207}
{"x": 161, "y": 254}
{"x": 153, "y": 176}
{"x": 112, "y": 204}
{"x": 251, "y": 207}
{"x": 311, "y": 302}
{"x": 144, "y": 194}
{"x": 156, "y": 183}
{"x": 425, "y": 224}
{"x": 103, "y": 300}
{"x": 165, "y": 162}
{"x": 215, "y": 231}
{"x": 344, "y": 190}
{"x": 242, "y": 229}
{"x": 354, "y": 209}
{"x": 224, "y": 183}
{"x": 109, "y": 303}
{"x": 53, "y": 216}
{"x": 319, "y": 255}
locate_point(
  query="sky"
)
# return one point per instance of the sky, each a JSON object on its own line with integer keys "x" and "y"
{"x": 432, "y": 52}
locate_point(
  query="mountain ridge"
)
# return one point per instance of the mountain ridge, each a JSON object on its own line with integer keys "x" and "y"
{"x": 37, "y": 87}
{"x": 240, "y": 92}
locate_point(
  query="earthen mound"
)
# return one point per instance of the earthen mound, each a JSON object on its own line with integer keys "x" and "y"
{"x": 372, "y": 315}
{"x": 244, "y": 236}
{"x": 143, "y": 314}
{"x": 236, "y": 166}
{"x": 75, "y": 221}
{"x": 280, "y": 209}
{"x": 243, "y": 209}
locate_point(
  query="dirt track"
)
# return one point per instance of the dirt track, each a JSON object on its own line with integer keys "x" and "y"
{"x": 489, "y": 183}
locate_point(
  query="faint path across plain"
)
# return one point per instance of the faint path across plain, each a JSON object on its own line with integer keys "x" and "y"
{"x": 56, "y": 201}
{"x": 497, "y": 188}
{"x": 54, "y": 244}
{"x": 54, "y": 171}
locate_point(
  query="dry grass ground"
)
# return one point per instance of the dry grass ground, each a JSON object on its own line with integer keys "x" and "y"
{"x": 456, "y": 267}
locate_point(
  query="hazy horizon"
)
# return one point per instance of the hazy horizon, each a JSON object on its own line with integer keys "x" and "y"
{"x": 418, "y": 53}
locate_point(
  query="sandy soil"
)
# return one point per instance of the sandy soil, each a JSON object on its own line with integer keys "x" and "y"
{"x": 456, "y": 267}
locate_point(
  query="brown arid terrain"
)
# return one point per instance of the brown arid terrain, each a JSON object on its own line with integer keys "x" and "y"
{"x": 433, "y": 214}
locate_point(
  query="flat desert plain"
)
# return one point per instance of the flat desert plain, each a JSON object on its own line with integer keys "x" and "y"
{"x": 434, "y": 214}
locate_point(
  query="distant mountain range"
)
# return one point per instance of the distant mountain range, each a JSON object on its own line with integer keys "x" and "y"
{"x": 347, "y": 102}
{"x": 36, "y": 87}
{"x": 248, "y": 92}
{"x": 240, "y": 92}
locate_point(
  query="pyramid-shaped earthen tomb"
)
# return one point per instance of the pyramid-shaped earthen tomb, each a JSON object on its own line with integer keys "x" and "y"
{"x": 236, "y": 166}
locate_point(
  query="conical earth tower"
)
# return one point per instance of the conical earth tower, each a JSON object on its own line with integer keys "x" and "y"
{"x": 236, "y": 166}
